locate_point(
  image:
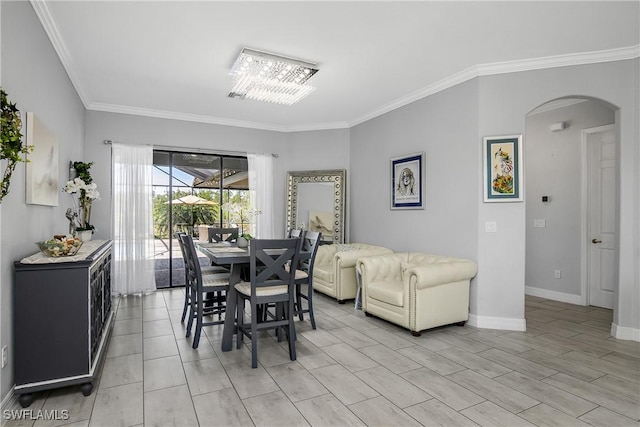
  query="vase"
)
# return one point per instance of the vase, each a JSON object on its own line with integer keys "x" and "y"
{"x": 242, "y": 242}
{"x": 84, "y": 235}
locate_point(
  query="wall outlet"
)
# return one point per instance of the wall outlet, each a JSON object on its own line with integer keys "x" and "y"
{"x": 557, "y": 274}
{"x": 490, "y": 227}
{"x": 5, "y": 355}
{"x": 539, "y": 223}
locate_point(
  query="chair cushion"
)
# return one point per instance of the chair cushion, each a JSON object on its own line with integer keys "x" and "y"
{"x": 390, "y": 291}
{"x": 323, "y": 272}
{"x": 299, "y": 273}
{"x": 245, "y": 289}
{"x": 215, "y": 279}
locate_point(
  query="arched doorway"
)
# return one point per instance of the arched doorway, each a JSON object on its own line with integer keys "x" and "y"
{"x": 571, "y": 192}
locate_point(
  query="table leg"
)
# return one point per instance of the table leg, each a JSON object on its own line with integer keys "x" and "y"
{"x": 230, "y": 311}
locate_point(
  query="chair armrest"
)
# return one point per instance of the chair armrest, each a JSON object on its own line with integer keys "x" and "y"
{"x": 348, "y": 258}
{"x": 426, "y": 276}
{"x": 325, "y": 254}
{"x": 380, "y": 267}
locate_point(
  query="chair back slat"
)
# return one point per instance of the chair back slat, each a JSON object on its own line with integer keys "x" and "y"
{"x": 216, "y": 234}
{"x": 295, "y": 233}
{"x": 268, "y": 260}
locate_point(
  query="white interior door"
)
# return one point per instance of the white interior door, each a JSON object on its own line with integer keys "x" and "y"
{"x": 602, "y": 238}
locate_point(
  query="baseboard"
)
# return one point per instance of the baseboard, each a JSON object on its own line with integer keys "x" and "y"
{"x": 554, "y": 295}
{"x": 10, "y": 400}
{"x": 504, "y": 323}
{"x": 625, "y": 333}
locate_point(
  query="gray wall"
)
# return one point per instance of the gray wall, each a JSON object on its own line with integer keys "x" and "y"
{"x": 554, "y": 168}
{"x": 445, "y": 127}
{"x": 505, "y": 100}
{"x": 179, "y": 134}
{"x": 34, "y": 78}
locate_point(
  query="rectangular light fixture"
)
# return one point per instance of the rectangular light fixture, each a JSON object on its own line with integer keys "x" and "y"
{"x": 269, "y": 77}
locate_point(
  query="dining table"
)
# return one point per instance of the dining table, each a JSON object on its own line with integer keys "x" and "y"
{"x": 228, "y": 254}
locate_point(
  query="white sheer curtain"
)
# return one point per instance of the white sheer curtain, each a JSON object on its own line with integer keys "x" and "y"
{"x": 132, "y": 172}
{"x": 261, "y": 194}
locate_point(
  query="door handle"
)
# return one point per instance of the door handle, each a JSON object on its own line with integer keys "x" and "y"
{"x": 596, "y": 241}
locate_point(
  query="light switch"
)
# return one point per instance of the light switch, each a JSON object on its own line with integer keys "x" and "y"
{"x": 540, "y": 223}
{"x": 490, "y": 226}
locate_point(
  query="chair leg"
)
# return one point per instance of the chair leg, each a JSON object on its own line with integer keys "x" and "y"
{"x": 186, "y": 303}
{"x": 196, "y": 337}
{"x": 192, "y": 311}
{"x": 291, "y": 331}
{"x": 310, "y": 305}
{"x": 254, "y": 338}
{"x": 299, "y": 302}
{"x": 240, "y": 321}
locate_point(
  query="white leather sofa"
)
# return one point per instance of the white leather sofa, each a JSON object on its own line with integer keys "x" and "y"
{"x": 416, "y": 291}
{"x": 334, "y": 270}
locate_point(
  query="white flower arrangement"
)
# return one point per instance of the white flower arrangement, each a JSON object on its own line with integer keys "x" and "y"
{"x": 87, "y": 193}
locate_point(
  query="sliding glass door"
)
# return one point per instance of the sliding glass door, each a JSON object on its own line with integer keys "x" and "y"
{"x": 190, "y": 192}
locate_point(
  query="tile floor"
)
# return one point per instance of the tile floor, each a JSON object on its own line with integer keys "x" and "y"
{"x": 565, "y": 370}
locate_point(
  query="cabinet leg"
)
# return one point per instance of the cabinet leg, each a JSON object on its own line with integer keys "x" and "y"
{"x": 25, "y": 400}
{"x": 86, "y": 389}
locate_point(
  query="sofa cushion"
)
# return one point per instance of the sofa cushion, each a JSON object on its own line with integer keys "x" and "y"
{"x": 390, "y": 291}
{"x": 323, "y": 272}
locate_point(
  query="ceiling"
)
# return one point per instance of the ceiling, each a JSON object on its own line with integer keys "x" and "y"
{"x": 171, "y": 58}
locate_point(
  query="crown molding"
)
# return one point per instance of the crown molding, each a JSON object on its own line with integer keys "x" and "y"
{"x": 44, "y": 15}
{"x": 51, "y": 29}
{"x": 162, "y": 114}
{"x": 610, "y": 55}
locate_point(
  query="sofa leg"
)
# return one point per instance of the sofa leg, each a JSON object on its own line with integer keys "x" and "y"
{"x": 461, "y": 323}
{"x": 366, "y": 313}
{"x": 416, "y": 333}
{"x": 340, "y": 301}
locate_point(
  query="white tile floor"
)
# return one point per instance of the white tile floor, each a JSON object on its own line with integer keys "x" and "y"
{"x": 565, "y": 370}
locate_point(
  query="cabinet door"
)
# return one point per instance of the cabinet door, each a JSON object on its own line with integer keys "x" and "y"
{"x": 51, "y": 316}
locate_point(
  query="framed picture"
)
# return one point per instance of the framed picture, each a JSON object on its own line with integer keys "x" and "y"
{"x": 42, "y": 167}
{"x": 407, "y": 182}
{"x": 502, "y": 168}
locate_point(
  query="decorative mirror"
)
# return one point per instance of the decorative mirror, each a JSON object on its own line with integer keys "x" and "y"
{"x": 316, "y": 202}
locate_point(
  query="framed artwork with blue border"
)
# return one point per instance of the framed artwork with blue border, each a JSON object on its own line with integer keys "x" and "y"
{"x": 408, "y": 181}
{"x": 502, "y": 168}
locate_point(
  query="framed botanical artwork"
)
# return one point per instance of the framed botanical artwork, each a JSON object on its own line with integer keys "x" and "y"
{"x": 502, "y": 168}
{"x": 408, "y": 182}
{"x": 42, "y": 167}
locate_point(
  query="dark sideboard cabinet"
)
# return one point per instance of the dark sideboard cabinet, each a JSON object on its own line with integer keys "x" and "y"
{"x": 63, "y": 318}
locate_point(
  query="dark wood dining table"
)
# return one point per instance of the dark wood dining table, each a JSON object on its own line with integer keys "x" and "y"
{"x": 228, "y": 255}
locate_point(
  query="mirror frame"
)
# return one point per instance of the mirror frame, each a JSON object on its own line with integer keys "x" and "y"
{"x": 338, "y": 177}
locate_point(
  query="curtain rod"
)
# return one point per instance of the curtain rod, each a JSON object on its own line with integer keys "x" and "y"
{"x": 196, "y": 150}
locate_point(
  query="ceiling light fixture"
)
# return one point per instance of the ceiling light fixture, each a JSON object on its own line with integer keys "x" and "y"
{"x": 269, "y": 77}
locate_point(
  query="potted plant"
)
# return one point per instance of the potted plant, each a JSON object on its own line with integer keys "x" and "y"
{"x": 11, "y": 148}
{"x": 87, "y": 192}
{"x": 243, "y": 240}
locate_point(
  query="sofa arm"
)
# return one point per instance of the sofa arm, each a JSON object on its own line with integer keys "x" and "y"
{"x": 426, "y": 276}
{"x": 381, "y": 267}
{"x": 325, "y": 254}
{"x": 347, "y": 259}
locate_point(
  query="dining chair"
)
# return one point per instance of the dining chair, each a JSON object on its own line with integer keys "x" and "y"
{"x": 304, "y": 274}
{"x": 295, "y": 232}
{"x": 270, "y": 283}
{"x": 206, "y": 270}
{"x": 220, "y": 234}
{"x": 207, "y": 292}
